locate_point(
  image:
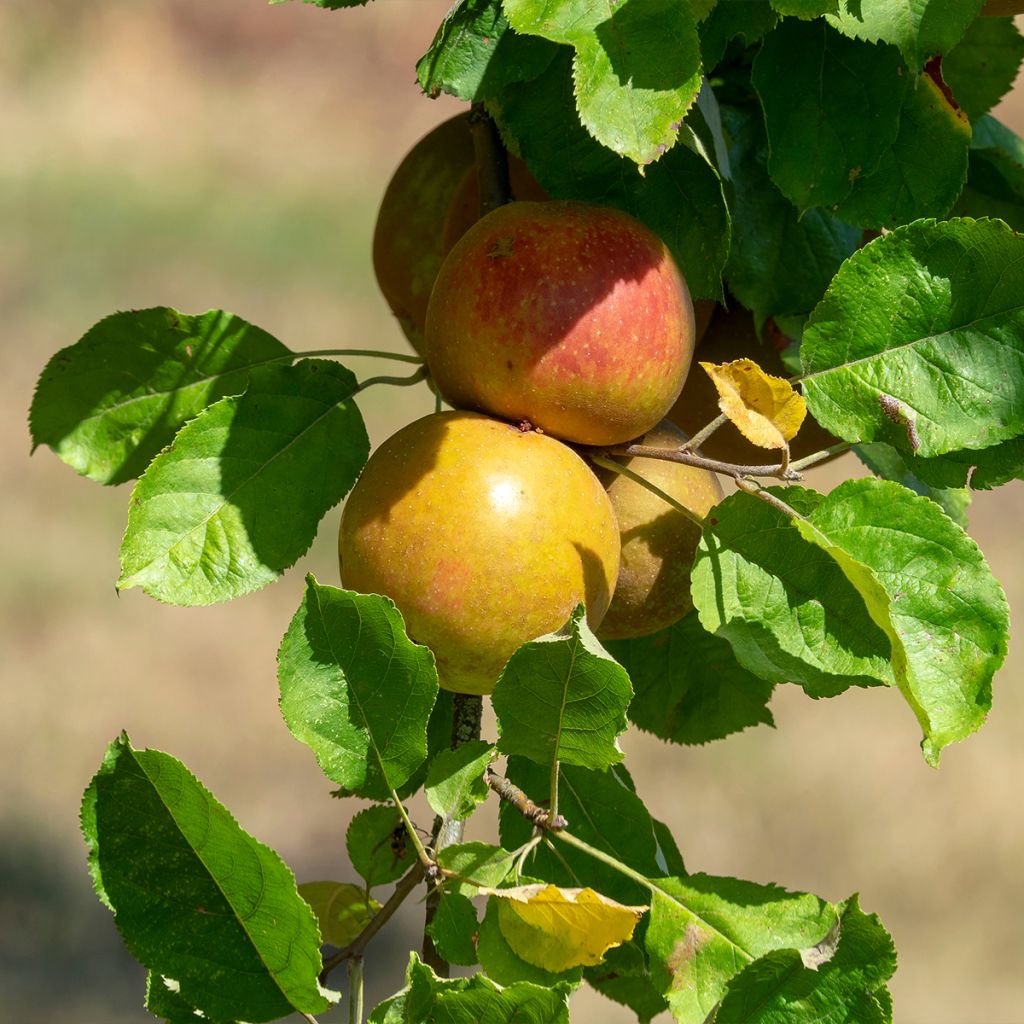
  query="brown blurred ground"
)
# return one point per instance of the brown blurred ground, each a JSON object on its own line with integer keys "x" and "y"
{"x": 231, "y": 155}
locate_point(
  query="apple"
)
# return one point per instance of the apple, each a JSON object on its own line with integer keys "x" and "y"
{"x": 732, "y": 335}
{"x": 567, "y": 315}
{"x": 658, "y": 541}
{"x": 484, "y": 536}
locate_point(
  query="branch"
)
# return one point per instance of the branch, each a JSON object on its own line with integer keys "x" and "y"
{"x": 686, "y": 458}
{"x": 491, "y": 160}
{"x": 541, "y": 817}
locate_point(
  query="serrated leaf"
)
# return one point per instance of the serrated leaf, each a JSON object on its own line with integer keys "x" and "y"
{"x": 475, "y": 54}
{"x": 928, "y": 586}
{"x": 163, "y": 999}
{"x": 195, "y": 897}
{"x": 832, "y": 109}
{"x": 624, "y": 978}
{"x": 238, "y": 496}
{"x": 680, "y": 198}
{"x": 750, "y": 20}
{"x": 474, "y": 866}
{"x": 921, "y": 29}
{"x": 922, "y": 172}
{"x": 766, "y": 409}
{"x": 453, "y": 929}
{"x": 636, "y": 68}
{"x": 919, "y": 341}
{"x": 342, "y": 909}
{"x": 558, "y": 929}
{"x": 787, "y": 609}
{"x": 107, "y": 404}
{"x": 562, "y": 697}
{"x": 847, "y": 989}
{"x": 780, "y": 262}
{"x": 356, "y": 689}
{"x": 981, "y": 68}
{"x": 979, "y": 470}
{"x": 603, "y": 810}
{"x": 688, "y": 685}
{"x": 455, "y": 780}
{"x": 704, "y": 930}
{"x": 377, "y": 845}
{"x": 995, "y": 175}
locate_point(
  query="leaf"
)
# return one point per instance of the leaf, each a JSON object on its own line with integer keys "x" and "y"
{"x": 624, "y": 978}
{"x": 995, "y": 175}
{"x": 107, "y": 404}
{"x": 453, "y": 929}
{"x": 558, "y": 929}
{"x": 503, "y": 965}
{"x": 780, "y": 262}
{"x": 780, "y": 989}
{"x": 561, "y": 697}
{"x": 805, "y": 8}
{"x": 455, "y": 781}
{"x": 980, "y": 470}
{"x": 377, "y": 845}
{"x": 679, "y": 198}
{"x": 475, "y": 866}
{"x": 475, "y": 54}
{"x": 342, "y": 909}
{"x": 237, "y": 497}
{"x": 689, "y": 687}
{"x": 746, "y": 19}
{"x": 919, "y": 341}
{"x": 921, "y": 29}
{"x": 636, "y": 66}
{"x": 163, "y": 999}
{"x": 884, "y": 461}
{"x": 787, "y": 609}
{"x": 981, "y": 68}
{"x": 196, "y": 898}
{"x": 704, "y": 930}
{"x": 923, "y": 171}
{"x": 766, "y": 409}
{"x": 831, "y": 107}
{"x": 356, "y": 689}
{"x": 928, "y": 586}
{"x": 603, "y": 810}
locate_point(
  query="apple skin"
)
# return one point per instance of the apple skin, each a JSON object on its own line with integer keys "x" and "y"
{"x": 732, "y": 335}
{"x": 483, "y": 535}
{"x": 658, "y": 541}
{"x": 570, "y": 316}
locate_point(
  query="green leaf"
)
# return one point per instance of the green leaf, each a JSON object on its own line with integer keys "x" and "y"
{"x": 475, "y": 866}
{"x": 196, "y": 898}
{"x": 603, "y": 810}
{"x": 924, "y": 170}
{"x": 454, "y": 929}
{"x": 561, "y": 697}
{"x": 623, "y": 977}
{"x": 704, "y": 930}
{"x": 832, "y": 109}
{"x": 107, "y": 404}
{"x": 377, "y": 845}
{"x": 921, "y": 28}
{"x": 689, "y": 687}
{"x": 884, "y": 461}
{"x": 238, "y": 496}
{"x": 455, "y": 781}
{"x": 805, "y": 8}
{"x": 995, "y": 175}
{"x": 780, "y": 262}
{"x": 928, "y": 586}
{"x": 356, "y": 689}
{"x": 503, "y": 965}
{"x": 979, "y": 470}
{"x": 919, "y": 341}
{"x": 787, "y": 609}
{"x": 342, "y": 909}
{"x": 750, "y": 20}
{"x": 679, "y": 198}
{"x": 164, "y": 1000}
{"x": 847, "y": 989}
{"x": 981, "y": 68}
{"x": 636, "y": 67}
{"x": 475, "y": 53}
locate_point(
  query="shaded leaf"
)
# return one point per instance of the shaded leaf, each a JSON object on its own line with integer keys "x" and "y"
{"x": 356, "y": 689}
{"x": 475, "y": 865}
{"x": 623, "y": 977}
{"x": 377, "y": 845}
{"x": 455, "y": 780}
{"x": 454, "y": 929}
{"x": 805, "y": 8}
{"x": 195, "y": 898}
{"x": 766, "y": 409}
{"x": 995, "y": 175}
{"x": 238, "y": 496}
{"x": 981, "y": 68}
{"x": 342, "y": 909}
{"x": 163, "y": 999}
{"x": 979, "y": 470}
{"x": 107, "y": 404}
{"x": 746, "y": 19}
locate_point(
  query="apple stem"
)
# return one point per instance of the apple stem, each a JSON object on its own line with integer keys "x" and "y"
{"x": 491, "y": 160}
{"x": 702, "y": 435}
{"x": 403, "y": 382}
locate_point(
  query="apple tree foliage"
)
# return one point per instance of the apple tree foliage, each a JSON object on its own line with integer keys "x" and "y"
{"x": 760, "y": 139}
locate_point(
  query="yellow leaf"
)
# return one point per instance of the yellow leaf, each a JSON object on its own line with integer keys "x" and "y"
{"x": 766, "y": 409}
{"x": 343, "y": 909}
{"x": 561, "y": 928}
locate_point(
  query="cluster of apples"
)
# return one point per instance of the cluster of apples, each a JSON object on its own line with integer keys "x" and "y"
{"x": 546, "y": 325}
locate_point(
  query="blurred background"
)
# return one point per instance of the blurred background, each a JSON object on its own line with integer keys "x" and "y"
{"x": 232, "y": 155}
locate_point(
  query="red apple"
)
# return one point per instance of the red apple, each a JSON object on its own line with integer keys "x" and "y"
{"x": 571, "y": 316}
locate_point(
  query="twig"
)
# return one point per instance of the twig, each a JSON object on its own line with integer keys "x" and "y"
{"x": 702, "y": 435}
{"x": 491, "y": 160}
{"x": 541, "y": 817}
{"x": 355, "y": 990}
{"x": 812, "y": 460}
{"x": 753, "y": 488}
{"x": 686, "y": 458}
